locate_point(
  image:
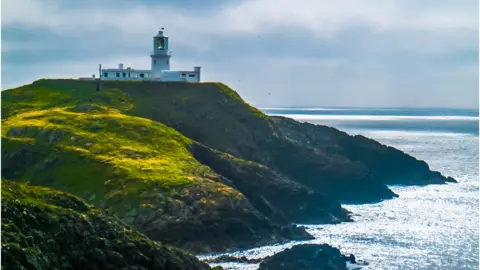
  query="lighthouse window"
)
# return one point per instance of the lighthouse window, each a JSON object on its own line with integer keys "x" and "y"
{"x": 105, "y": 75}
{"x": 191, "y": 75}
{"x": 161, "y": 43}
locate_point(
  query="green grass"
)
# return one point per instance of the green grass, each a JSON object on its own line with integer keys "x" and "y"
{"x": 42, "y": 197}
{"x": 227, "y": 90}
{"x": 86, "y": 143}
{"x": 43, "y": 228}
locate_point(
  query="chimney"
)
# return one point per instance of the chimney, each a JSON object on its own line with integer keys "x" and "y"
{"x": 120, "y": 66}
{"x": 197, "y": 71}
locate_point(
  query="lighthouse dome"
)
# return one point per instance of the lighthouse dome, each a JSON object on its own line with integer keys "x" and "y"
{"x": 161, "y": 33}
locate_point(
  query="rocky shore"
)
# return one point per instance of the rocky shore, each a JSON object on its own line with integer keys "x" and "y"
{"x": 302, "y": 256}
{"x": 192, "y": 165}
{"x": 308, "y": 256}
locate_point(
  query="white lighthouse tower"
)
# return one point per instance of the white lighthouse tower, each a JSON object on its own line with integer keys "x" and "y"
{"x": 160, "y": 55}
{"x": 159, "y": 70}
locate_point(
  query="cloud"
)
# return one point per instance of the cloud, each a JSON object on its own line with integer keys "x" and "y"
{"x": 322, "y": 18}
{"x": 329, "y": 52}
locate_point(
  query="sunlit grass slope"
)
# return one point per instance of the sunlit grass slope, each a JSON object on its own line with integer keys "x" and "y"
{"x": 79, "y": 140}
{"x": 155, "y": 155}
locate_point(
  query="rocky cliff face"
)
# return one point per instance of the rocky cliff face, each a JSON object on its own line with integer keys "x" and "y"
{"x": 138, "y": 170}
{"x": 47, "y": 229}
{"x": 367, "y": 166}
{"x": 192, "y": 164}
{"x": 272, "y": 193}
{"x": 331, "y": 162}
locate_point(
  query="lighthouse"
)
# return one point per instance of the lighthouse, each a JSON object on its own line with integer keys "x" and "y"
{"x": 159, "y": 66}
{"x": 161, "y": 55}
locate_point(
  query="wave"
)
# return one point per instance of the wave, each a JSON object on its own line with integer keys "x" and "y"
{"x": 310, "y": 117}
{"x": 403, "y": 133}
{"x": 311, "y": 109}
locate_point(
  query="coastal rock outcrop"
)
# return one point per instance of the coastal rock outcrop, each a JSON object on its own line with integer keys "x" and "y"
{"x": 280, "y": 199}
{"x": 384, "y": 163}
{"x": 347, "y": 168}
{"x": 138, "y": 170}
{"x": 193, "y": 165}
{"x": 308, "y": 257}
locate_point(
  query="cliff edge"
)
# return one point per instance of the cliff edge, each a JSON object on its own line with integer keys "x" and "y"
{"x": 193, "y": 165}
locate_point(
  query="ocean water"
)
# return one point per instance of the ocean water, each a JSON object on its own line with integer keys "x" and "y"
{"x": 428, "y": 227}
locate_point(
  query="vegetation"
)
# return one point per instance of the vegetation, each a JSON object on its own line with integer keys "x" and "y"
{"x": 47, "y": 229}
{"x": 192, "y": 164}
{"x": 65, "y": 135}
{"x": 100, "y": 153}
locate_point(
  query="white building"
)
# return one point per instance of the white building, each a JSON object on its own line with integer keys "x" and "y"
{"x": 160, "y": 67}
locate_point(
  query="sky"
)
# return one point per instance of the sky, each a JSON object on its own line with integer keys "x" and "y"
{"x": 336, "y": 53}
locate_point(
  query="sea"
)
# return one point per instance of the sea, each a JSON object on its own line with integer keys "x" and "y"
{"x": 426, "y": 227}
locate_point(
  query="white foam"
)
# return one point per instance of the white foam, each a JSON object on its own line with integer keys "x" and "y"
{"x": 311, "y": 109}
{"x": 375, "y": 117}
{"x": 401, "y": 133}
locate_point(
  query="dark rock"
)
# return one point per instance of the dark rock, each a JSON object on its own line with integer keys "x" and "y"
{"x": 350, "y": 258}
{"x": 307, "y": 256}
{"x": 97, "y": 255}
{"x": 114, "y": 258}
{"x": 280, "y": 199}
{"x": 228, "y": 258}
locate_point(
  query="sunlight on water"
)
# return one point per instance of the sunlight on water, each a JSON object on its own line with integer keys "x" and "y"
{"x": 310, "y": 117}
{"x": 429, "y": 227}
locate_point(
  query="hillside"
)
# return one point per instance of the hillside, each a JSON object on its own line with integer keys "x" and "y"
{"x": 192, "y": 164}
{"x": 346, "y": 168}
{"x": 81, "y": 141}
{"x": 47, "y": 229}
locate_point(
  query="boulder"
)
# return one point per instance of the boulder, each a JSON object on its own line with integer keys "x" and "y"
{"x": 307, "y": 256}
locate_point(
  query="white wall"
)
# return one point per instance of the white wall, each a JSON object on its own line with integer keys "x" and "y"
{"x": 160, "y": 63}
{"x": 164, "y": 75}
{"x": 180, "y": 76}
{"x": 129, "y": 75}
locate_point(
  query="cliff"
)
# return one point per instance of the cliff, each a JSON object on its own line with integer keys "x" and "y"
{"x": 47, "y": 229}
{"x": 192, "y": 164}
{"x": 344, "y": 167}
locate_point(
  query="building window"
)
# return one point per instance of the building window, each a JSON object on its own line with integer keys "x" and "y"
{"x": 118, "y": 74}
{"x": 183, "y": 74}
{"x": 124, "y": 74}
{"x": 128, "y": 74}
{"x": 105, "y": 75}
{"x": 168, "y": 62}
{"x": 154, "y": 62}
{"x": 191, "y": 75}
{"x": 141, "y": 75}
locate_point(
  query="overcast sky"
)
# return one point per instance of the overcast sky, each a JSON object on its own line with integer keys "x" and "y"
{"x": 413, "y": 53}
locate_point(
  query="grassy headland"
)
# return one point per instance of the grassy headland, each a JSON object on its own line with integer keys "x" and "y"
{"x": 193, "y": 164}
